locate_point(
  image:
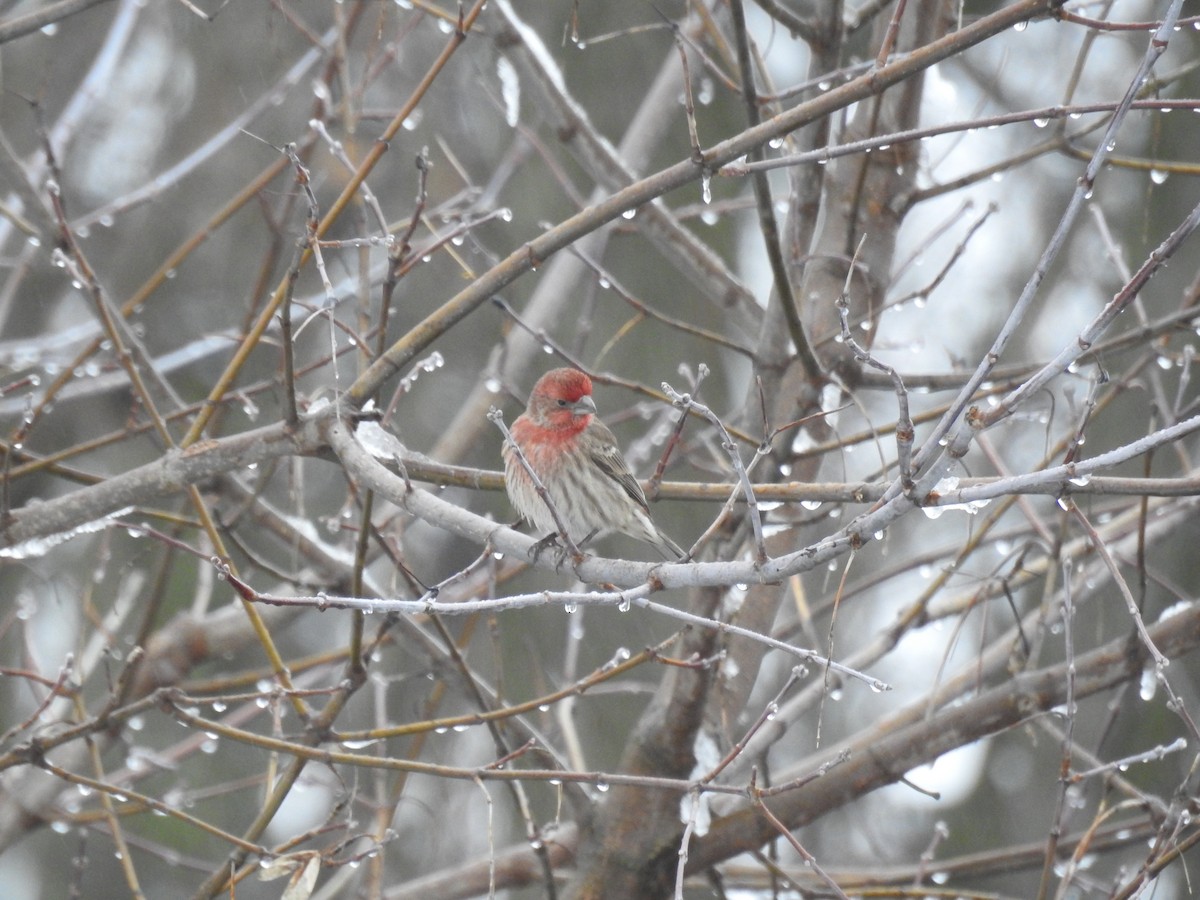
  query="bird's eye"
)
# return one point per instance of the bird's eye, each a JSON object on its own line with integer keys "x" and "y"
{"x": 561, "y": 402}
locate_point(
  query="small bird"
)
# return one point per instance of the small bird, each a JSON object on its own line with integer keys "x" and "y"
{"x": 577, "y": 460}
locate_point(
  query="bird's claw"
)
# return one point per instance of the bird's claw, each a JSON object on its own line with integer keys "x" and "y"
{"x": 561, "y": 551}
{"x": 550, "y": 540}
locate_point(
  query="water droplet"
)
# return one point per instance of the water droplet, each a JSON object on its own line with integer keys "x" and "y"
{"x": 1148, "y": 685}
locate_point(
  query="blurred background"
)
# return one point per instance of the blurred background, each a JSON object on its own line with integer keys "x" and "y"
{"x": 153, "y": 221}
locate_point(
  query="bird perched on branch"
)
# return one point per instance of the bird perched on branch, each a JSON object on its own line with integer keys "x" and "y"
{"x": 577, "y": 460}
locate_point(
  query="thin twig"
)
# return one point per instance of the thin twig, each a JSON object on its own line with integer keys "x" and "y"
{"x": 686, "y": 403}
{"x": 905, "y": 430}
{"x": 1068, "y": 742}
{"x": 765, "y": 205}
{"x": 810, "y": 861}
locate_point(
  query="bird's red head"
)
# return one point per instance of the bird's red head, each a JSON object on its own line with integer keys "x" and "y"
{"x": 564, "y": 384}
{"x": 562, "y": 398}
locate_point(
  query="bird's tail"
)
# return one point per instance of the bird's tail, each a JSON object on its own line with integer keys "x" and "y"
{"x": 667, "y": 547}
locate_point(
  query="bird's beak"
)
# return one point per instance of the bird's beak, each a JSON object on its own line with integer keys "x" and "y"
{"x": 584, "y": 406}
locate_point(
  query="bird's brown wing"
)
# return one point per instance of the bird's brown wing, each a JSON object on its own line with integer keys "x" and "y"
{"x": 608, "y": 458}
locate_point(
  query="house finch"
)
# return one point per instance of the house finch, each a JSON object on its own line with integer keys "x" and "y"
{"x": 577, "y": 460}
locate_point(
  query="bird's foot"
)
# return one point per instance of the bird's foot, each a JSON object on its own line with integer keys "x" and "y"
{"x": 561, "y": 551}
{"x": 550, "y": 540}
